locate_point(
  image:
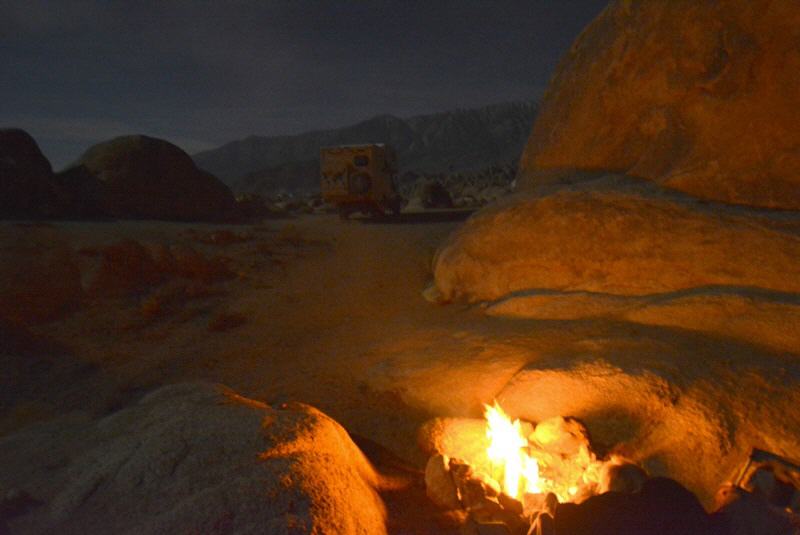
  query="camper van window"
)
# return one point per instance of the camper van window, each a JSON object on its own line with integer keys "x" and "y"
{"x": 361, "y": 161}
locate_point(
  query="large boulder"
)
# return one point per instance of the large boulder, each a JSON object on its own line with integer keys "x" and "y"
{"x": 147, "y": 178}
{"x": 644, "y": 217}
{"x": 185, "y": 459}
{"x": 26, "y": 177}
{"x": 698, "y": 96}
{"x": 81, "y": 193}
{"x": 630, "y": 251}
{"x": 619, "y": 237}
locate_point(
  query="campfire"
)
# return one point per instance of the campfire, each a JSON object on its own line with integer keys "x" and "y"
{"x": 524, "y": 470}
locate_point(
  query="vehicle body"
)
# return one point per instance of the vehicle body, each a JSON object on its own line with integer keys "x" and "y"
{"x": 360, "y": 178}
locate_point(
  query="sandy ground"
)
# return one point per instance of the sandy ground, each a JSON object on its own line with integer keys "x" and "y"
{"x": 317, "y": 295}
{"x": 331, "y": 313}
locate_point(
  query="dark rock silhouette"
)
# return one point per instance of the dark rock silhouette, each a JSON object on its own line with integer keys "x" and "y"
{"x": 81, "y": 193}
{"x": 142, "y": 177}
{"x": 26, "y": 178}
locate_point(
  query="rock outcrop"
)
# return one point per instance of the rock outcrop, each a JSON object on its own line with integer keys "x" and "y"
{"x": 148, "y": 178}
{"x": 646, "y": 213}
{"x": 615, "y": 236}
{"x": 185, "y": 459}
{"x": 698, "y": 96}
{"x": 26, "y": 178}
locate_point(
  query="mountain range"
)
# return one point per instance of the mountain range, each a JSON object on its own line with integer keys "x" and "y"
{"x": 448, "y": 142}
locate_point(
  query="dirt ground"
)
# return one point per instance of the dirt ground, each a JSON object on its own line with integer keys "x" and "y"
{"x": 331, "y": 313}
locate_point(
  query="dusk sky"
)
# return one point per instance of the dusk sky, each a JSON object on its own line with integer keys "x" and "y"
{"x": 201, "y": 74}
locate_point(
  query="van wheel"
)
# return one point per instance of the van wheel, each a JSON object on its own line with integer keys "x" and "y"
{"x": 344, "y": 213}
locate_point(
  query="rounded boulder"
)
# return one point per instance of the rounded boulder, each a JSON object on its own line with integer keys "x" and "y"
{"x": 26, "y": 177}
{"x": 147, "y": 178}
{"x": 698, "y": 96}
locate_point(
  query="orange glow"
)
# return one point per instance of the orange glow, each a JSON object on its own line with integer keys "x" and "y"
{"x": 507, "y": 450}
{"x": 523, "y": 467}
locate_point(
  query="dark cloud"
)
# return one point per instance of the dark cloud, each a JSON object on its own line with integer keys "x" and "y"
{"x": 203, "y": 73}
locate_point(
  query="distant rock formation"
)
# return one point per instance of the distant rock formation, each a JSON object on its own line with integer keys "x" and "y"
{"x": 131, "y": 177}
{"x": 292, "y": 176}
{"x": 702, "y": 97}
{"x": 147, "y": 178}
{"x": 453, "y": 141}
{"x": 27, "y": 189}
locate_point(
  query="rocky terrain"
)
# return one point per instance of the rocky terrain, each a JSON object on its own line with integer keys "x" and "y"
{"x": 470, "y": 154}
{"x": 664, "y": 216}
{"x": 445, "y": 143}
{"x": 641, "y": 281}
{"x": 98, "y": 316}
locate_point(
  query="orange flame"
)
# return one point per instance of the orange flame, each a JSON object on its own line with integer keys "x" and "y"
{"x": 507, "y": 450}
